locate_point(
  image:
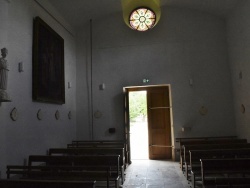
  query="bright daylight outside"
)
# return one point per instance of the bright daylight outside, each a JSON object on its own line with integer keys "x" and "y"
{"x": 138, "y": 124}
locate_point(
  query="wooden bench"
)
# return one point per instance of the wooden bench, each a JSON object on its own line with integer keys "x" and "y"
{"x": 98, "y": 164}
{"x": 97, "y": 141}
{"x": 92, "y": 151}
{"x": 182, "y": 140}
{"x": 96, "y": 145}
{"x": 206, "y": 142}
{"x": 55, "y": 172}
{"x": 187, "y": 148}
{"x": 69, "y": 173}
{"x": 224, "y": 171}
{"x": 196, "y": 155}
{"x": 20, "y": 183}
{"x": 101, "y": 144}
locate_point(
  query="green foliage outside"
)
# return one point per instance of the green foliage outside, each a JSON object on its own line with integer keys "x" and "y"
{"x": 137, "y": 105}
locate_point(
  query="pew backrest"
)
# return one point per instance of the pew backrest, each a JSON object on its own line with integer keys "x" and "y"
{"x": 215, "y": 141}
{"x": 196, "y": 155}
{"x": 194, "y": 140}
{"x": 74, "y": 160}
{"x": 20, "y": 183}
{"x": 92, "y": 151}
{"x": 187, "y": 148}
{"x": 89, "y": 151}
{"x": 98, "y": 141}
{"x": 69, "y": 173}
{"x": 183, "y": 139}
{"x": 96, "y": 145}
{"x": 91, "y": 167}
{"x": 213, "y": 167}
{"x": 184, "y": 157}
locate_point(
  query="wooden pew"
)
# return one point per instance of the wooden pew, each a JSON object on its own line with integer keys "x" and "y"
{"x": 214, "y": 171}
{"x": 101, "y": 144}
{"x": 92, "y": 151}
{"x": 196, "y": 155}
{"x": 96, "y": 144}
{"x": 56, "y": 172}
{"x": 206, "y": 142}
{"x": 98, "y": 164}
{"x": 182, "y": 140}
{"x": 20, "y": 183}
{"x": 97, "y": 141}
{"x": 187, "y": 148}
{"x": 70, "y": 168}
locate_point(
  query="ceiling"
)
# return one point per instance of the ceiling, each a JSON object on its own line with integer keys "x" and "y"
{"x": 78, "y": 12}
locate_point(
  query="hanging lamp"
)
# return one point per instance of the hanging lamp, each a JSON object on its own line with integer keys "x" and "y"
{"x": 141, "y": 15}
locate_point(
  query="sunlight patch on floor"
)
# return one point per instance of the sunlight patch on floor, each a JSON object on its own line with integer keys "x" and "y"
{"x": 139, "y": 140}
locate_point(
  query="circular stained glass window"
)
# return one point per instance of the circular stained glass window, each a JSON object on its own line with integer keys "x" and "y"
{"x": 142, "y": 19}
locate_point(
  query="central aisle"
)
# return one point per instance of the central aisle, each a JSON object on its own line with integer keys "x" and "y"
{"x": 154, "y": 174}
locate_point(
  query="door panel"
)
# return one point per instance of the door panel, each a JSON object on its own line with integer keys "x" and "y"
{"x": 159, "y": 123}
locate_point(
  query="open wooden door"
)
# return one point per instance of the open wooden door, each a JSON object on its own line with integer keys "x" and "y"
{"x": 159, "y": 123}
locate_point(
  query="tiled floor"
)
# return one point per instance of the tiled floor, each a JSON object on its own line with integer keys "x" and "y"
{"x": 154, "y": 174}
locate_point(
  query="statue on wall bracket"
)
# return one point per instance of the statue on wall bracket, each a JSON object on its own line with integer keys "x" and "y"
{"x": 4, "y": 69}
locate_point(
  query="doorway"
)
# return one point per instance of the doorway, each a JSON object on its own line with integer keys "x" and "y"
{"x": 159, "y": 122}
{"x": 138, "y": 124}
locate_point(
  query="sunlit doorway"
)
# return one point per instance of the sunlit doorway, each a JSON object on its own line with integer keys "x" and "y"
{"x": 138, "y": 125}
{"x": 159, "y": 123}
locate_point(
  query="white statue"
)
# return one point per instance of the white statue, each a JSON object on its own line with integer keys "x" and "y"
{"x": 4, "y": 97}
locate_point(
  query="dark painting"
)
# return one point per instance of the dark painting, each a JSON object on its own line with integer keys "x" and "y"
{"x": 48, "y": 64}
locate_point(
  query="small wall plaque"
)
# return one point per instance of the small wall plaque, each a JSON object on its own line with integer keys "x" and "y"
{"x": 203, "y": 110}
{"x": 243, "y": 109}
{"x": 39, "y": 114}
{"x": 97, "y": 114}
{"x": 13, "y": 114}
{"x": 70, "y": 115}
{"x": 57, "y": 115}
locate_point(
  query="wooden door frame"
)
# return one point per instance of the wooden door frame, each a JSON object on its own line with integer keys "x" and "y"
{"x": 128, "y": 89}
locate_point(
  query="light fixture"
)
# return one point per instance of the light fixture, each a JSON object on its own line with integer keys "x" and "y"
{"x": 141, "y": 15}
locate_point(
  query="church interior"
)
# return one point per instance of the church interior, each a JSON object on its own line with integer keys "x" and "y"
{"x": 197, "y": 49}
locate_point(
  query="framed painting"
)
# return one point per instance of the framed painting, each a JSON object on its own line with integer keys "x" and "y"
{"x": 48, "y": 64}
